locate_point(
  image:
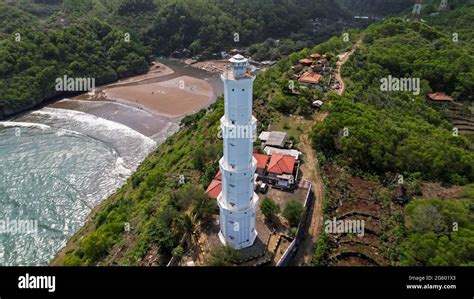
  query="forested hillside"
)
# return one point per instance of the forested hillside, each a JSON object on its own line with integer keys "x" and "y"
{"x": 41, "y": 40}
{"x": 400, "y": 133}
{"x": 31, "y": 60}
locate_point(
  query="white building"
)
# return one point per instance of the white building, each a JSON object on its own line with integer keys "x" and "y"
{"x": 238, "y": 201}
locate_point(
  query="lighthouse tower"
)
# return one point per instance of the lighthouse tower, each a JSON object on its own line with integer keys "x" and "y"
{"x": 238, "y": 201}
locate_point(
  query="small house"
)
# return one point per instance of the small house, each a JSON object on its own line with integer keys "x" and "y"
{"x": 297, "y": 68}
{"x": 317, "y": 68}
{"x": 318, "y": 104}
{"x": 274, "y": 138}
{"x": 306, "y": 61}
{"x": 315, "y": 56}
{"x": 262, "y": 161}
{"x": 439, "y": 97}
{"x": 310, "y": 79}
{"x": 281, "y": 170}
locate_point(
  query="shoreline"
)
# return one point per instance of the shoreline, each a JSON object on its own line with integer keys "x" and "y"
{"x": 148, "y": 103}
{"x": 197, "y": 91}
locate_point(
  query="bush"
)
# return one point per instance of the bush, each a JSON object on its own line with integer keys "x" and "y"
{"x": 223, "y": 256}
{"x": 269, "y": 208}
{"x": 293, "y": 212}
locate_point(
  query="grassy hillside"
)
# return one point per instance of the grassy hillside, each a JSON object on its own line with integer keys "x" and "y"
{"x": 158, "y": 210}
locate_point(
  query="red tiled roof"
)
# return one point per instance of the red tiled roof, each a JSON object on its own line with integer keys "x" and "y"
{"x": 315, "y": 55}
{"x": 311, "y": 78}
{"x": 439, "y": 96}
{"x": 218, "y": 176}
{"x": 262, "y": 160}
{"x": 280, "y": 164}
{"x": 214, "y": 189}
{"x": 306, "y": 61}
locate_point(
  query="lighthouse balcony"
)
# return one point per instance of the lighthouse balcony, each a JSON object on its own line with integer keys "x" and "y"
{"x": 246, "y": 170}
{"x": 237, "y": 212}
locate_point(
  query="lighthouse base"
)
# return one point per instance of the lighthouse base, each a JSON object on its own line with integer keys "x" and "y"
{"x": 240, "y": 246}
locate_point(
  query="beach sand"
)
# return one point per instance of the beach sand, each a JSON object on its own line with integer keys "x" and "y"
{"x": 173, "y": 98}
{"x": 152, "y": 104}
{"x": 156, "y": 71}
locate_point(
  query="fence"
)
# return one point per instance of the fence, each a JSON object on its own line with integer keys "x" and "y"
{"x": 290, "y": 253}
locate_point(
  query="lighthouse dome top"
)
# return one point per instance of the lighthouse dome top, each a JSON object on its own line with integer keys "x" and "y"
{"x": 238, "y": 66}
{"x": 238, "y": 59}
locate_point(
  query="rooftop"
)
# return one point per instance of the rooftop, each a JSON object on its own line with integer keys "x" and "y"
{"x": 214, "y": 189}
{"x": 306, "y": 61}
{"x": 269, "y": 150}
{"x": 439, "y": 96}
{"x": 274, "y": 138}
{"x": 281, "y": 164}
{"x": 311, "y": 78}
{"x": 262, "y": 160}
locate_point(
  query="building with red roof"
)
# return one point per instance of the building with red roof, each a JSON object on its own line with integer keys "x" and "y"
{"x": 281, "y": 164}
{"x": 310, "y": 78}
{"x": 280, "y": 170}
{"x": 214, "y": 189}
{"x": 262, "y": 161}
{"x": 306, "y": 61}
{"x": 439, "y": 97}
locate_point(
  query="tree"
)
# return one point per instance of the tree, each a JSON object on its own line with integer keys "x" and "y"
{"x": 202, "y": 205}
{"x": 269, "y": 208}
{"x": 223, "y": 256}
{"x": 293, "y": 212}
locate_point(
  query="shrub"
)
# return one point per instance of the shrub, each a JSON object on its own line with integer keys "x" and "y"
{"x": 269, "y": 208}
{"x": 293, "y": 212}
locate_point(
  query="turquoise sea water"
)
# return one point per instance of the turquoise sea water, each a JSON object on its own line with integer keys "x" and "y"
{"x": 55, "y": 166}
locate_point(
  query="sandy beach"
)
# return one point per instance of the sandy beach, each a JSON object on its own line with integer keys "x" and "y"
{"x": 157, "y": 70}
{"x": 151, "y": 104}
{"x": 173, "y": 98}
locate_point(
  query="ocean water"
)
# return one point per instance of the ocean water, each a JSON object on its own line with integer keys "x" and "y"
{"x": 55, "y": 166}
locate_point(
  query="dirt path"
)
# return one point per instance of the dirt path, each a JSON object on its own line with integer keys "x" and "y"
{"x": 312, "y": 172}
{"x": 343, "y": 58}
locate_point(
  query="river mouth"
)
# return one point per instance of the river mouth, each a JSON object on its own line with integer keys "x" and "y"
{"x": 61, "y": 161}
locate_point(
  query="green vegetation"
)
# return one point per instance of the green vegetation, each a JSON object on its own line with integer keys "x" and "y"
{"x": 320, "y": 251}
{"x": 160, "y": 211}
{"x": 439, "y": 233}
{"x": 269, "y": 208}
{"x": 30, "y": 66}
{"x": 223, "y": 256}
{"x": 387, "y": 133}
{"x": 378, "y": 132}
{"x": 293, "y": 212}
